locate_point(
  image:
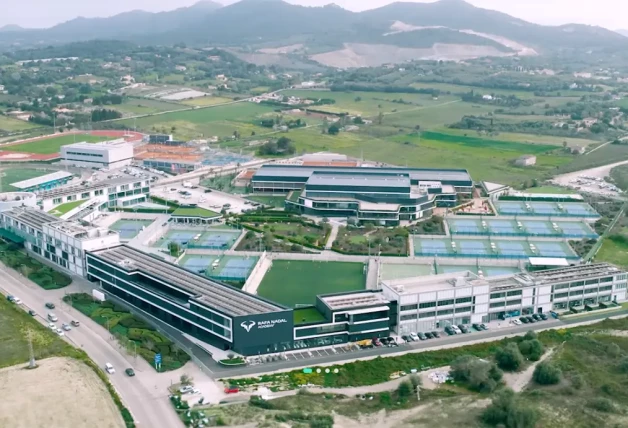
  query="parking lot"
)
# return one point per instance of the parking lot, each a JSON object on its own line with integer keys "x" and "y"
{"x": 213, "y": 200}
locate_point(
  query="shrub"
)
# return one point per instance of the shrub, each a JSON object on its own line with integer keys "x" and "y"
{"x": 404, "y": 390}
{"x": 532, "y": 349}
{"x": 478, "y": 374}
{"x": 602, "y": 404}
{"x": 415, "y": 380}
{"x": 623, "y": 365}
{"x": 613, "y": 350}
{"x": 546, "y": 373}
{"x": 509, "y": 357}
{"x": 505, "y": 410}
{"x": 577, "y": 381}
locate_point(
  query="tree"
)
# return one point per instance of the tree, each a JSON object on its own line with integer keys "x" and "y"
{"x": 380, "y": 118}
{"x": 532, "y": 349}
{"x": 507, "y": 411}
{"x": 546, "y": 373}
{"x": 509, "y": 357}
{"x": 479, "y": 375}
{"x": 404, "y": 390}
{"x": 415, "y": 380}
{"x": 174, "y": 248}
{"x": 186, "y": 379}
{"x": 334, "y": 129}
{"x": 358, "y": 99}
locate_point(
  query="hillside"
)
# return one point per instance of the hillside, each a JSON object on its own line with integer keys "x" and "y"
{"x": 447, "y": 29}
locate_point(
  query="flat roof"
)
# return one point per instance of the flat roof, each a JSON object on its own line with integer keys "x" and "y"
{"x": 31, "y": 216}
{"x": 417, "y": 174}
{"x": 548, "y": 261}
{"x": 354, "y": 300}
{"x": 78, "y": 231}
{"x": 58, "y": 175}
{"x": 228, "y": 300}
{"x": 71, "y": 190}
{"x": 99, "y": 145}
{"x": 391, "y": 180}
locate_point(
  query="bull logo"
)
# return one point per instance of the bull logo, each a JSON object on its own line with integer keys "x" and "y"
{"x": 248, "y": 325}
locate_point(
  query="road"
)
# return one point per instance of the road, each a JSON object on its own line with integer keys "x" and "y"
{"x": 148, "y": 404}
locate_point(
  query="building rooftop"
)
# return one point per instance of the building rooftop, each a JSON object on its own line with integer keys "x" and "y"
{"x": 31, "y": 216}
{"x": 386, "y": 180}
{"x": 417, "y": 174}
{"x": 79, "y": 231}
{"x": 58, "y": 175}
{"x": 354, "y": 300}
{"x": 230, "y": 301}
{"x": 119, "y": 142}
{"x": 94, "y": 185}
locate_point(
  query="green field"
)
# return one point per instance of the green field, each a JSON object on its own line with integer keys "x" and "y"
{"x": 65, "y": 208}
{"x": 195, "y": 212}
{"x": 522, "y": 138}
{"x": 489, "y": 160}
{"x": 613, "y": 252}
{"x": 206, "y": 101}
{"x": 8, "y": 124}
{"x": 13, "y": 175}
{"x": 139, "y": 106}
{"x": 221, "y": 121}
{"x": 297, "y": 282}
{"x": 53, "y": 144}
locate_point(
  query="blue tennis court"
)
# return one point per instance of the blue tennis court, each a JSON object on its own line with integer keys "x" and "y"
{"x": 472, "y": 247}
{"x": 552, "y": 249}
{"x": 578, "y": 209}
{"x": 510, "y": 208}
{"x": 538, "y": 227}
{"x": 502, "y": 226}
{"x": 238, "y": 268}
{"x": 431, "y": 247}
{"x": 574, "y": 229}
{"x": 546, "y": 208}
{"x": 216, "y": 240}
{"x": 129, "y": 228}
{"x": 226, "y": 268}
{"x": 512, "y": 248}
{"x": 498, "y": 270}
{"x": 464, "y": 225}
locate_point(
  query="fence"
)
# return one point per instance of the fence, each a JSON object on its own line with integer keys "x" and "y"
{"x": 527, "y": 234}
{"x": 492, "y": 256}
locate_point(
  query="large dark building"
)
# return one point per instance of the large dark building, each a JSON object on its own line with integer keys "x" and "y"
{"x": 228, "y": 318}
{"x": 368, "y": 194}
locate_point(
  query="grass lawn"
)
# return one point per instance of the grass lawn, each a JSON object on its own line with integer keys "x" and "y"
{"x": 139, "y": 106}
{"x": 307, "y": 315}
{"x": 293, "y": 282}
{"x": 206, "y": 101}
{"x": 54, "y": 143}
{"x": 15, "y": 325}
{"x": 613, "y": 252}
{"x": 13, "y": 175}
{"x": 8, "y": 124}
{"x": 65, "y": 208}
{"x": 274, "y": 201}
{"x": 195, "y": 212}
{"x": 522, "y": 138}
{"x": 221, "y": 121}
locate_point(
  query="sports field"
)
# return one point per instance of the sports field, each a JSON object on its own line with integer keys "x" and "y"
{"x": 53, "y": 144}
{"x": 491, "y": 248}
{"x": 224, "y": 268}
{"x": 545, "y": 209}
{"x": 298, "y": 282}
{"x": 129, "y": 228}
{"x": 13, "y": 175}
{"x": 221, "y": 121}
{"x": 544, "y": 228}
{"x": 216, "y": 239}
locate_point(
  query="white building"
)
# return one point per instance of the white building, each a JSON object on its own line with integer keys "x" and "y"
{"x": 432, "y": 302}
{"x": 107, "y": 154}
{"x": 117, "y": 192}
{"x": 10, "y": 200}
{"x": 61, "y": 242}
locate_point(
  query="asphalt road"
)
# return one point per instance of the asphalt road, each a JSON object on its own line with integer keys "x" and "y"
{"x": 149, "y": 405}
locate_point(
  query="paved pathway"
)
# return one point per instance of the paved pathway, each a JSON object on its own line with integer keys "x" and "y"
{"x": 332, "y": 235}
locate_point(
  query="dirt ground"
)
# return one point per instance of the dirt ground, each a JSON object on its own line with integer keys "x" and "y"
{"x": 61, "y": 392}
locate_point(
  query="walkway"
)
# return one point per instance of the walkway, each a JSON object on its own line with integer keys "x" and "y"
{"x": 332, "y": 235}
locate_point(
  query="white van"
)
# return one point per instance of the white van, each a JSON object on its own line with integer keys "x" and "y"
{"x": 109, "y": 368}
{"x": 52, "y": 317}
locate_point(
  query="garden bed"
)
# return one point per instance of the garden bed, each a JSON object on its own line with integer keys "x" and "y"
{"x": 369, "y": 240}
{"x": 17, "y": 258}
{"x": 235, "y": 361}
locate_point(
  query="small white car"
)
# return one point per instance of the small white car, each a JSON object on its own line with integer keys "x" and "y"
{"x": 186, "y": 389}
{"x": 60, "y": 332}
{"x": 17, "y": 300}
{"x": 516, "y": 322}
{"x": 109, "y": 368}
{"x": 413, "y": 336}
{"x": 52, "y": 317}
{"x": 66, "y": 327}
{"x": 51, "y": 326}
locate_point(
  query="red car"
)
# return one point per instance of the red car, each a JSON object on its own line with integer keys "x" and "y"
{"x": 232, "y": 390}
{"x": 377, "y": 342}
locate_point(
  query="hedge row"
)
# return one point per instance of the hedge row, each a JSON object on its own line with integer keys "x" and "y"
{"x": 168, "y": 202}
{"x": 358, "y": 253}
{"x": 290, "y": 238}
{"x": 168, "y": 210}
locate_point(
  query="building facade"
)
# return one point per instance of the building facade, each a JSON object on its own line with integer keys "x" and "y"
{"x": 382, "y": 195}
{"x": 45, "y": 182}
{"x": 107, "y": 154}
{"x": 431, "y": 303}
{"x": 63, "y": 243}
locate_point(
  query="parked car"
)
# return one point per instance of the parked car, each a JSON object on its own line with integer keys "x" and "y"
{"x": 428, "y": 335}
{"x": 554, "y": 314}
{"x": 232, "y": 390}
{"x": 463, "y": 328}
{"x": 536, "y": 317}
{"x": 422, "y": 336}
{"x": 414, "y": 337}
{"x": 50, "y": 305}
{"x": 456, "y": 329}
{"x": 10, "y": 298}
{"x": 186, "y": 389}
{"x": 32, "y": 313}
{"x": 109, "y": 368}
{"x": 51, "y": 326}
{"x": 52, "y": 317}
{"x": 543, "y": 317}
{"x": 377, "y": 342}
{"x": 478, "y": 327}
{"x": 450, "y": 330}
{"x": 484, "y": 326}
{"x": 531, "y": 320}
{"x": 66, "y": 327}
{"x": 60, "y": 332}
{"x": 75, "y": 323}
{"x": 17, "y": 300}
{"x": 436, "y": 334}
{"x": 406, "y": 338}
{"x": 130, "y": 372}
{"x": 524, "y": 320}
{"x": 400, "y": 340}
{"x": 516, "y": 322}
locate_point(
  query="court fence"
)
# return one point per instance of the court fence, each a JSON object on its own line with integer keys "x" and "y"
{"x": 525, "y": 234}
{"x": 491, "y": 256}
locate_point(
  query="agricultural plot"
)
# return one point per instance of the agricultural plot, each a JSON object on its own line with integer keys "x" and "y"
{"x": 221, "y": 121}
{"x": 8, "y": 124}
{"x": 297, "y": 282}
{"x": 139, "y": 106}
{"x": 521, "y": 138}
{"x": 53, "y": 144}
{"x": 206, "y": 101}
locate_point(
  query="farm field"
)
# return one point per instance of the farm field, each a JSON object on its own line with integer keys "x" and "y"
{"x": 8, "y": 124}
{"x": 436, "y": 115}
{"x": 346, "y": 102}
{"x": 13, "y": 175}
{"x": 139, "y": 106}
{"x": 221, "y": 121}
{"x": 522, "y": 138}
{"x": 206, "y": 101}
{"x": 61, "y": 392}
{"x": 449, "y": 87}
{"x": 53, "y": 144}
{"x": 485, "y": 159}
{"x": 297, "y": 282}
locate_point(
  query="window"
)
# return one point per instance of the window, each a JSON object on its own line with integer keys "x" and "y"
{"x": 408, "y": 317}
{"x": 513, "y": 302}
{"x": 576, "y": 292}
{"x": 427, "y": 305}
{"x": 606, "y": 288}
{"x": 561, "y": 286}
{"x": 593, "y": 281}
{"x": 446, "y": 302}
{"x": 514, "y": 293}
{"x": 497, "y": 295}
{"x": 463, "y": 300}
{"x": 427, "y": 314}
{"x": 445, "y": 312}
{"x": 85, "y": 195}
{"x": 577, "y": 284}
{"x": 620, "y": 286}
{"x": 607, "y": 279}
{"x": 56, "y": 201}
{"x": 463, "y": 310}
{"x": 560, "y": 295}
{"x": 408, "y": 307}
{"x": 497, "y": 304}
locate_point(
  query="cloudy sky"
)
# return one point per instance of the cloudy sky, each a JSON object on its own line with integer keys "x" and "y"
{"x": 44, "y": 13}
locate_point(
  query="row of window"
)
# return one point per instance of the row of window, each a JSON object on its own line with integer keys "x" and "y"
{"x": 432, "y": 314}
{"x": 506, "y": 303}
{"x": 94, "y": 155}
{"x": 439, "y": 303}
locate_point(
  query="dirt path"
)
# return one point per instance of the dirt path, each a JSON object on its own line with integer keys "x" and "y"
{"x": 518, "y": 381}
